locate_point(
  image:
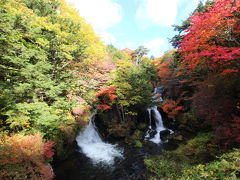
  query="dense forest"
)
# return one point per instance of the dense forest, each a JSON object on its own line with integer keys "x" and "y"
{"x": 55, "y": 72}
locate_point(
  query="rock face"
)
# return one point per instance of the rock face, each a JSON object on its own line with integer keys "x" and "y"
{"x": 167, "y": 122}
{"x": 104, "y": 122}
{"x": 152, "y": 133}
{"x": 164, "y": 135}
{"x": 113, "y": 128}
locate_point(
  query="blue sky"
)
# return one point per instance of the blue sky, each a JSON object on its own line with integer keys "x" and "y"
{"x": 131, "y": 23}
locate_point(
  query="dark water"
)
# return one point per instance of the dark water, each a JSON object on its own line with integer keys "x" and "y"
{"x": 79, "y": 167}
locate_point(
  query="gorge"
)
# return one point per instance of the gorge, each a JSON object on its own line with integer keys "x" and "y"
{"x": 73, "y": 107}
{"x": 115, "y": 160}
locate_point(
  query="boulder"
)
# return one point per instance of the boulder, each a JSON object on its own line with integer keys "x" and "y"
{"x": 152, "y": 133}
{"x": 165, "y": 133}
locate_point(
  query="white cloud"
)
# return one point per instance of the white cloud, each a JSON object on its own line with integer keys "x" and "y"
{"x": 204, "y": 1}
{"x": 155, "y": 46}
{"x": 101, "y": 14}
{"x": 108, "y": 38}
{"x": 129, "y": 44}
{"x": 160, "y": 12}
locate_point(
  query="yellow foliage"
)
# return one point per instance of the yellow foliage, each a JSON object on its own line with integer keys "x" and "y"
{"x": 95, "y": 49}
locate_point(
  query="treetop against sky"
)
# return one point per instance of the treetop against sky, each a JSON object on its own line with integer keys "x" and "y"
{"x": 130, "y": 24}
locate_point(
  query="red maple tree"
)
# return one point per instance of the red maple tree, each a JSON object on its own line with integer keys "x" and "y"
{"x": 212, "y": 40}
{"x": 105, "y": 97}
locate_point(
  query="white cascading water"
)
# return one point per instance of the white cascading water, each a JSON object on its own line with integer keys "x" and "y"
{"x": 158, "y": 120}
{"x": 93, "y": 146}
{"x": 159, "y": 125}
{"x": 150, "y": 124}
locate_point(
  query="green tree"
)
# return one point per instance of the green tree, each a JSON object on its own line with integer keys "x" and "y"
{"x": 43, "y": 46}
{"x": 115, "y": 53}
{"x": 134, "y": 84}
{"x": 139, "y": 53}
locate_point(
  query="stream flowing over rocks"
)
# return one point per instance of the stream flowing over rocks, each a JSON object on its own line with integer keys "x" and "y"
{"x": 93, "y": 157}
{"x": 154, "y": 131}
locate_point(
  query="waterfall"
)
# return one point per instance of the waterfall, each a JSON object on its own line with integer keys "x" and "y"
{"x": 157, "y": 118}
{"x": 159, "y": 125}
{"x": 93, "y": 146}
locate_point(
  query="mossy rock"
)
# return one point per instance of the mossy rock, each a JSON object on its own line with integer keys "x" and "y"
{"x": 179, "y": 138}
{"x": 175, "y": 137}
{"x": 138, "y": 144}
{"x": 142, "y": 126}
{"x": 136, "y": 136}
{"x": 119, "y": 133}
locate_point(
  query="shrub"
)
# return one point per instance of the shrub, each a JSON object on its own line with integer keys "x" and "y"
{"x": 202, "y": 143}
{"x": 190, "y": 121}
{"x": 227, "y": 167}
{"x": 25, "y": 157}
{"x": 171, "y": 164}
{"x": 165, "y": 167}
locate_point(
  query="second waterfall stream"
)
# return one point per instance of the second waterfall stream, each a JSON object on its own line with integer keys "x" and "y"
{"x": 153, "y": 134}
{"x": 158, "y": 122}
{"x": 98, "y": 151}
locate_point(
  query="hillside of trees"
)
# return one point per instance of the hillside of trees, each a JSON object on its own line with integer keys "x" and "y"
{"x": 203, "y": 85}
{"x": 55, "y": 71}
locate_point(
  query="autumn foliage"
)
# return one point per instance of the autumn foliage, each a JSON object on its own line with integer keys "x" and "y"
{"x": 25, "y": 157}
{"x": 212, "y": 40}
{"x": 204, "y": 74}
{"x": 172, "y": 108}
{"x": 217, "y": 102}
{"x": 210, "y": 51}
{"x": 48, "y": 149}
{"x": 164, "y": 73}
{"x": 105, "y": 97}
{"x": 164, "y": 67}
